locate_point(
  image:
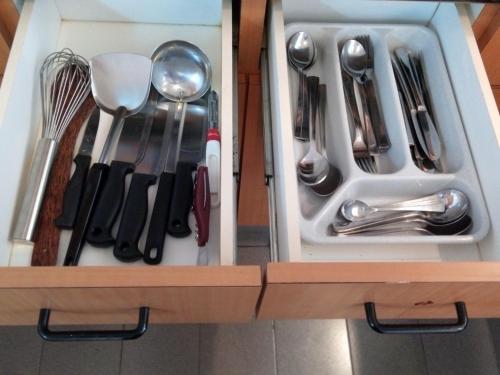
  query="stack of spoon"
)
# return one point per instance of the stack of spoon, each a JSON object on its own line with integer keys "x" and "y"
{"x": 442, "y": 213}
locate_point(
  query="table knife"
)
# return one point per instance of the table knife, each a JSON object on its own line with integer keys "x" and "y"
{"x": 74, "y": 188}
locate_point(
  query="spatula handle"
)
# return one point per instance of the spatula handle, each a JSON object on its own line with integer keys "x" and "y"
{"x": 135, "y": 213}
{"x": 182, "y": 201}
{"x": 153, "y": 252}
{"x": 109, "y": 205}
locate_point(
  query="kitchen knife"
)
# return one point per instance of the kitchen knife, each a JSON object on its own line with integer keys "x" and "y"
{"x": 74, "y": 189}
{"x": 192, "y": 151}
{"x": 135, "y": 211}
{"x": 129, "y": 151}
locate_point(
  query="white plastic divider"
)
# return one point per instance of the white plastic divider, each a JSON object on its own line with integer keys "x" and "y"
{"x": 399, "y": 178}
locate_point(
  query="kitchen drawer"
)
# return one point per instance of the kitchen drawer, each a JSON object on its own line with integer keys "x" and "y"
{"x": 405, "y": 280}
{"x": 101, "y": 289}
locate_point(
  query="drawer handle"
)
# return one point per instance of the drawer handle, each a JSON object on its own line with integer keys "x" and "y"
{"x": 458, "y": 326}
{"x": 92, "y": 335}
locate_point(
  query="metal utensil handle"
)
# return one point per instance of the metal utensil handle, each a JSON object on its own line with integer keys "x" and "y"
{"x": 423, "y": 207}
{"x": 302, "y": 112}
{"x": 45, "y": 154}
{"x": 375, "y": 222}
{"x": 378, "y": 125}
{"x": 313, "y": 89}
{"x": 92, "y": 335}
{"x": 429, "y": 200}
{"x": 458, "y": 326}
{"x": 322, "y": 117}
{"x": 369, "y": 135}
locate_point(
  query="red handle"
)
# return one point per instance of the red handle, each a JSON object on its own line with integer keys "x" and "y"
{"x": 201, "y": 205}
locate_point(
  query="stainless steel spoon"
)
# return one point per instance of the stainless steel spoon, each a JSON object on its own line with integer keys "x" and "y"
{"x": 456, "y": 203}
{"x": 301, "y": 54}
{"x": 356, "y": 210}
{"x": 314, "y": 169}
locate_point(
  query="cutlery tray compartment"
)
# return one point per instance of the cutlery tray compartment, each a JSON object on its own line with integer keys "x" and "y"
{"x": 398, "y": 177}
{"x": 89, "y": 29}
{"x": 441, "y": 35}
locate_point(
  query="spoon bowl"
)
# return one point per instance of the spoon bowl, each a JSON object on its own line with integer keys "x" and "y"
{"x": 354, "y": 59}
{"x": 301, "y": 50}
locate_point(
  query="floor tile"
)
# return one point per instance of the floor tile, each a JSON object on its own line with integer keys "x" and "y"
{"x": 81, "y": 358}
{"x": 374, "y": 354}
{"x": 20, "y": 350}
{"x": 318, "y": 347}
{"x": 494, "y": 326}
{"x": 163, "y": 350}
{"x": 253, "y": 236}
{"x": 237, "y": 349}
{"x": 469, "y": 352}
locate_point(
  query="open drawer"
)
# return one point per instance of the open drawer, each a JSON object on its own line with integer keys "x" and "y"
{"x": 404, "y": 278}
{"x": 101, "y": 289}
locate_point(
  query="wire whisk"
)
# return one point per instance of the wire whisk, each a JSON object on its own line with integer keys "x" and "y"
{"x": 64, "y": 86}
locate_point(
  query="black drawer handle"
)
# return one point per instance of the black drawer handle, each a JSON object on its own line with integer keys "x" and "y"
{"x": 458, "y": 326}
{"x": 92, "y": 335}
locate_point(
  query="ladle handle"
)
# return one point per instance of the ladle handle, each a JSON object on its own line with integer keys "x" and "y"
{"x": 153, "y": 252}
{"x": 109, "y": 205}
{"x": 182, "y": 200}
{"x": 133, "y": 218}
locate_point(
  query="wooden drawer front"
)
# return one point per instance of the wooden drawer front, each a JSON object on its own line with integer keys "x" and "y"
{"x": 408, "y": 290}
{"x": 113, "y": 295}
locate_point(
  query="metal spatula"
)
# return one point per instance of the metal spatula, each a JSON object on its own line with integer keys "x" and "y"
{"x": 120, "y": 86}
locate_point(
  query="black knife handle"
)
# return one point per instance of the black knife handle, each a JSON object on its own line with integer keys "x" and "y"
{"x": 153, "y": 252}
{"x": 135, "y": 213}
{"x": 73, "y": 193}
{"x": 182, "y": 201}
{"x": 109, "y": 204}
{"x": 95, "y": 181}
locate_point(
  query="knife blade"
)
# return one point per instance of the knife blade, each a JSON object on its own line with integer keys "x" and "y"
{"x": 129, "y": 152}
{"x": 74, "y": 189}
{"x": 135, "y": 210}
{"x": 194, "y": 138}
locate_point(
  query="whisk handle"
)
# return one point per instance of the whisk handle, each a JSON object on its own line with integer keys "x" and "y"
{"x": 45, "y": 154}
{"x": 109, "y": 205}
{"x": 95, "y": 181}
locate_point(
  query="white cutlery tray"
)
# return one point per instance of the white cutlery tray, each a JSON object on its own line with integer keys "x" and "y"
{"x": 398, "y": 178}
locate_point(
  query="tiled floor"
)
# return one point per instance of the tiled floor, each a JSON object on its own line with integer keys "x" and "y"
{"x": 305, "y": 347}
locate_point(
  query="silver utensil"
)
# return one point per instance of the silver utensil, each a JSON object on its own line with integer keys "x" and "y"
{"x": 361, "y": 154}
{"x": 356, "y": 210}
{"x": 64, "y": 85}
{"x": 181, "y": 73}
{"x": 425, "y": 121}
{"x": 419, "y": 226}
{"x": 74, "y": 189}
{"x": 357, "y": 60}
{"x": 456, "y": 206}
{"x": 314, "y": 169}
{"x": 120, "y": 86}
{"x": 301, "y": 52}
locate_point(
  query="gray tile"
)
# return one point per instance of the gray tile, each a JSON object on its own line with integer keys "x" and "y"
{"x": 253, "y": 236}
{"x": 374, "y": 354}
{"x": 80, "y": 358}
{"x": 237, "y": 349}
{"x": 164, "y": 349}
{"x": 469, "y": 352}
{"x": 253, "y": 256}
{"x": 318, "y": 347}
{"x": 494, "y": 325}
{"x": 20, "y": 350}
